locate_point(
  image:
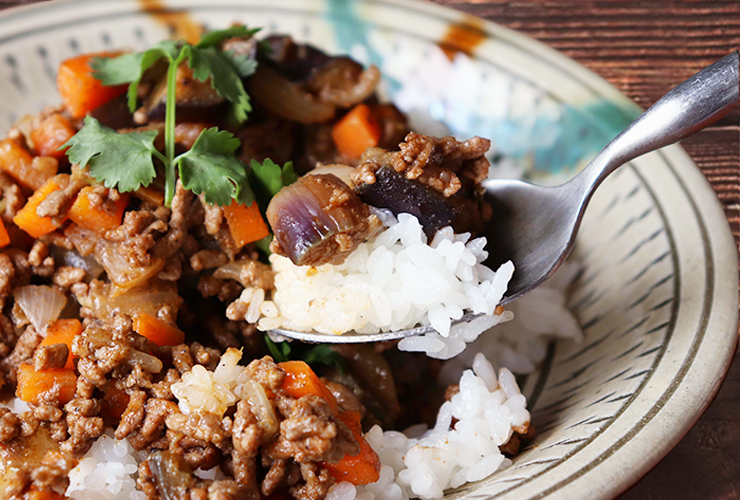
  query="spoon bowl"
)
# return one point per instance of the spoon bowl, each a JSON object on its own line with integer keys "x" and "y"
{"x": 535, "y": 227}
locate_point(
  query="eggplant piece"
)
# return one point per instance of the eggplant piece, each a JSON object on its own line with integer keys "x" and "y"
{"x": 395, "y": 192}
{"x": 292, "y": 60}
{"x": 173, "y": 477}
{"x": 190, "y": 93}
{"x": 319, "y": 220}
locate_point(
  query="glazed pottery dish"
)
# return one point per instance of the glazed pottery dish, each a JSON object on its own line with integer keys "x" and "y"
{"x": 651, "y": 287}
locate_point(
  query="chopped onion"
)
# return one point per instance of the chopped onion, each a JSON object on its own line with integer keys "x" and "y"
{"x": 120, "y": 271}
{"x": 261, "y": 406}
{"x": 287, "y": 99}
{"x": 40, "y": 303}
{"x": 144, "y": 299}
{"x": 248, "y": 272}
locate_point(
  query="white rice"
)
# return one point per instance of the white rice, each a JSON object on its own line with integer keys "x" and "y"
{"x": 108, "y": 471}
{"x": 488, "y": 410}
{"x": 392, "y": 282}
{"x": 521, "y": 344}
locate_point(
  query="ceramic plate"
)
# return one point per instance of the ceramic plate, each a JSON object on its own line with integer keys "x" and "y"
{"x": 657, "y": 297}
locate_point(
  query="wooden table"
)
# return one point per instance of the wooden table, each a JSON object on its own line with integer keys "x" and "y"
{"x": 644, "y": 48}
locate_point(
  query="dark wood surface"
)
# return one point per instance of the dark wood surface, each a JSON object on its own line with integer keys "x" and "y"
{"x": 644, "y": 48}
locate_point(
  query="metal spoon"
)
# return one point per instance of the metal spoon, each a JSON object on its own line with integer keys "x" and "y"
{"x": 540, "y": 224}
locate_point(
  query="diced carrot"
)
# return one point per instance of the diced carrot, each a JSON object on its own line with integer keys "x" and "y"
{"x": 97, "y": 218}
{"x": 4, "y": 237}
{"x": 32, "y": 384}
{"x": 356, "y": 131}
{"x": 63, "y": 331}
{"x": 81, "y": 92}
{"x": 51, "y": 134}
{"x": 158, "y": 331}
{"x": 113, "y": 405}
{"x": 300, "y": 380}
{"x": 245, "y": 223}
{"x": 28, "y": 220}
{"x": 363, "y": 468}
{"x": 18, "y": 163}
{"x": 45, "y": 494}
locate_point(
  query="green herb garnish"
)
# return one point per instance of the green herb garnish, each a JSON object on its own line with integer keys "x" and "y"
{"x": 210, "y": 167}
{"x": 280, "y": 351}
{"x": 320, "y": 354}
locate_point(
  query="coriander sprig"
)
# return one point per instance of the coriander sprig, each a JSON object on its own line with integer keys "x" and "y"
{"x": 125, "y": 161}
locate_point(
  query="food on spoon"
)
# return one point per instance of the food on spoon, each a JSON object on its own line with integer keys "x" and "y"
{"x": 319, "y": 220}
{"x": 135, "y": 276}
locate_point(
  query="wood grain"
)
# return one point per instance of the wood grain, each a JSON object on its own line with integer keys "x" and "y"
{"x": 645, "y": 48}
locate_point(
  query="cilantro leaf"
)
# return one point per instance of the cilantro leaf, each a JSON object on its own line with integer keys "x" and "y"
{"x": 123, "y": 161}
{"x": 130, "y": 68}
{"x": 264, "y": 244}
{"x": 210, "y": 167}
{"x": 213, "y": 38}
{"x": 214, "y": 64}
{"x": 244, "y": 64}
{"x": 271, "y": 177}
{"x": 325, "y": 355}
{"x": 280, "y": 351}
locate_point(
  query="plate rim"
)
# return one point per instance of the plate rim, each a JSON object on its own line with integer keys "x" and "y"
{"x": 697, "y": 186}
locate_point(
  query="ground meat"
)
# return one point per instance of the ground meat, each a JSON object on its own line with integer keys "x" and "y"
{"x": 181, "y": 358}
{"x": 102, "y": 351}
{"x": 53, "y": 473}
{"x": 66, "y": 276}
{"x": 7, "y": 273}
{"x": 22, "y": 353}
{"x": 156, "y": 412}
{"x": 206, "y": 356}
{"x": 310, "y": 432}
{"x": 10, "y": 425}
{"x": 14, "y": 199}
{"x": 29, "y": 423}
{"x": 177, "y": 227}
{"x": 203, "y": 426}
{"x": 48, "y": 410}
{"x": 346, "y": 398}
{"x": 172, "y": 270}
{"x": 317, "y": 482}
{"x": 213, "y": 216}
{"x": 248, "y": 272}
{"x": 58, "y": 202}
{"x": 246, "y": 439}
{"x": 163, "y": 388}
{"x": 133, "y": 415}
{"x": 83, "y": 424}
{"x": 226, "y": 242}
{"x": 39, "y": 252}
{"x": 207, "y": 259}
{"x": 84, "y": 240}
{"x": 137, "y": 235}
{"x": 7, "y": 336}
{"x": 50, "y": 356}
{"x": 266, "y": 373}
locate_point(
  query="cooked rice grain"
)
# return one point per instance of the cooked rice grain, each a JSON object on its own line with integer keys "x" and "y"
{"x": 392, "y": 282}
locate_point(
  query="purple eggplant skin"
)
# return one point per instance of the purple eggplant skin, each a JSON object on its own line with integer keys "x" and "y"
{"x": 319, "y": 220}
{"x": 398, "y": 194}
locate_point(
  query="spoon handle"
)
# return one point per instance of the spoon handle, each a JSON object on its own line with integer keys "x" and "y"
{"x": 697, "y": 102}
